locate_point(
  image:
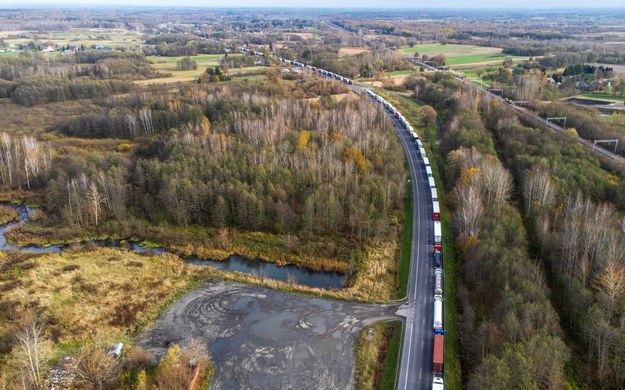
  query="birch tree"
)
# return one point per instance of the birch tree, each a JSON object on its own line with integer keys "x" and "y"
{"x": 33, "y": 350}
{"x": 538, "y": 190}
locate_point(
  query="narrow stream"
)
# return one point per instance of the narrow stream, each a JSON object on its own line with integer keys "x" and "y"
{"x": 256, "y": 267}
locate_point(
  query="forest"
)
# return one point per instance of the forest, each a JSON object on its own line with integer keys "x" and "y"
{"x": 246, "y": 155}
{"x": 560, "y": 276}
{"x": 208, "y": 169}
{"x": 110, "y": 139}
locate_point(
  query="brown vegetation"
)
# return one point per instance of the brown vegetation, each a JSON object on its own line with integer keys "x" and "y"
{"x": 7, "y": 215}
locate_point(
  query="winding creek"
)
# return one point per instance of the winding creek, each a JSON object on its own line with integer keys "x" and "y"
{"x": 233, "y": 263}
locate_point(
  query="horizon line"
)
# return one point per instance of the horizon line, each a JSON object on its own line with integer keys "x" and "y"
{"x": 62, "y": 5}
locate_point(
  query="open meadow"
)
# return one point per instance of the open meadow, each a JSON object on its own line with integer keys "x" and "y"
{"x": 462, "y": 55}
{"x": 112, "y": 38}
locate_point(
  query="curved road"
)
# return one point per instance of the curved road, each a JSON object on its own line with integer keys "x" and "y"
{"x": 415, "y": 371}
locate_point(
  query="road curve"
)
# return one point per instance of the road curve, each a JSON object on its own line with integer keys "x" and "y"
{"x": 415, "y": 371}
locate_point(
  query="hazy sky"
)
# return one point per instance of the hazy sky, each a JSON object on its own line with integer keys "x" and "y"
{"x": 416, "y": 4}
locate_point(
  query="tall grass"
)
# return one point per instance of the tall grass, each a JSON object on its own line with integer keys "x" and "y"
{"x": 377, "y": 352}
{"x": 406, "y": 245}
{"x": 7, "y": 215}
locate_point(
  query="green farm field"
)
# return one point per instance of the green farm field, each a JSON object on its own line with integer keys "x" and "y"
{"x": 106, "y": 37}
{"x": 605, "y": 96}
{"x": 168, "y": 65}
{"x": 400, "y": 72}
{"x": 462, "y": 55}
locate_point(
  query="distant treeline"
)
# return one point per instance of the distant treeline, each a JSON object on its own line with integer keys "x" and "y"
{"x": 37, "y": 90}
{"x": 174, "y": 45}
{"x": 33, "y": 79}
{"x": 366, "y": 64}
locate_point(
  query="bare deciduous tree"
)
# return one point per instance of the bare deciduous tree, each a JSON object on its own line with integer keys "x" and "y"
{"x": 469, "y": 210}
{"x": 95, "y": 369}
{"x": 95, "y": 200}
{"x": 145, "y": 116}
{"x": 612, "y": 282}
{"x": 496, "y": 181}
{"x": 33, "y": 350}
{"x": 538, "y": 190}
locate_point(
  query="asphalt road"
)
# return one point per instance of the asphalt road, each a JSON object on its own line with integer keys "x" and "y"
{"x": 415, "y": 371}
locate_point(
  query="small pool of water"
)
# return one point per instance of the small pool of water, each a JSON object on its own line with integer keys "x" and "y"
{"x": 288, "y": 273}
{"x": 272, "y": 271}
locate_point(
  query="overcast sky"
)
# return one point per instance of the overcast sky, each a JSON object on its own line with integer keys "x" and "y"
{"x": 415, "y": 4}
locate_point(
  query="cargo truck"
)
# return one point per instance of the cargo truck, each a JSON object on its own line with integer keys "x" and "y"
{"x": 436, "y": 211}
{"x": 437, "y": 383}
{"x": 438, "y": 314}
{"x": 439, "y": 348}
{"x": 438, "y": 236}
{"x": 434, "y": 194}
{"x": 438, "y": 281}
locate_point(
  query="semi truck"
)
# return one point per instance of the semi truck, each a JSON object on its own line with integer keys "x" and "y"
{"x": 438, "y": 281}
{"x": 436, "y": 211}
{"x": 438, "y": 236}
{"x": 439, "y": 348}
{"x": 438, "y": 314}
{"x": 428, "y": 171}
{"x": 434, "y": 194}
{"x": 426, "y": 161}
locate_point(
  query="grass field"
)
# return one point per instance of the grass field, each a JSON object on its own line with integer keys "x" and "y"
{"x": 106, "y": 37}
{"x": 427, "y": 48}
{"x": 86, "y": 291}
{"x": 400, "y": 72}
{"x": 389, "y": 372}
{"x": 377, "y": 353}
{"x": 406, "y": 245}
{"x": 458, "y": 55}
{"x": 350, "y": 51}
{"x": 604, "y": 96}
{"x": 478, "y": 59}
{"x": 16, "y": 53}
{"x": 168, "y": 65}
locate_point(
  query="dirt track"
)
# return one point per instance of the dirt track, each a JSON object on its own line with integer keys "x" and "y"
{"x": 267, "y": 339}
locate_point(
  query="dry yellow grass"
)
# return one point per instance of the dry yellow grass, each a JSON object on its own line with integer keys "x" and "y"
{"x": 338, "y": 97}
{"x": 7, "y": 215}
{"x": 85, "y": 292}
{"x": 350, "y": 51}
{"x": 377, "y": 280}
{"x": 301, "y": 35}
{"x": 167, "y": 80}
{"x": 34, "y": 120}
